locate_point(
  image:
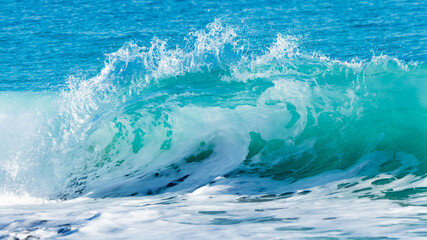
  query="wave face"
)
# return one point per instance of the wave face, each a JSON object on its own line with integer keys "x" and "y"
{"x": 163, "y": 118}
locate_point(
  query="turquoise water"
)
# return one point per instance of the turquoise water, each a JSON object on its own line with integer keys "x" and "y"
{"x": 309, "y": 107}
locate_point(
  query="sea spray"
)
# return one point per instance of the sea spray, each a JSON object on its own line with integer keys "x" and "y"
{"x": 161, "y": 118}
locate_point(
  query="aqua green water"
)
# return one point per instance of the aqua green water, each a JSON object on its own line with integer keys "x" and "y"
{"x": 285, "y": 114}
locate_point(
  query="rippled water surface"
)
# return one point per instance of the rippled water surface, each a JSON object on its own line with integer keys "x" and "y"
{"x": 198, "y": 119}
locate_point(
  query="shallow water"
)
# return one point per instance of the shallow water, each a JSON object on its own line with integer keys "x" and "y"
{"x": 235, "y": 120}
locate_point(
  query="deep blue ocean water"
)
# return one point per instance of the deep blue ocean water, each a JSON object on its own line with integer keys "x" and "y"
{"x": 44, "y": 42}
{"x": 227, "y": 119}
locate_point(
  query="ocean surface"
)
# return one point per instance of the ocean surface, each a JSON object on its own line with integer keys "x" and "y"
{"x": 213, "y": 119}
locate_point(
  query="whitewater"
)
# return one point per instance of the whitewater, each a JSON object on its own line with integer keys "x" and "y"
{"x": 218, "y": 136}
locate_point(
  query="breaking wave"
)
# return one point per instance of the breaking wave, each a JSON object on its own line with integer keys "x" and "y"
{"x": 166, "y": 118}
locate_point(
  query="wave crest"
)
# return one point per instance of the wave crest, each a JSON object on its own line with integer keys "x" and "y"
{"x": 158, "y": 118}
